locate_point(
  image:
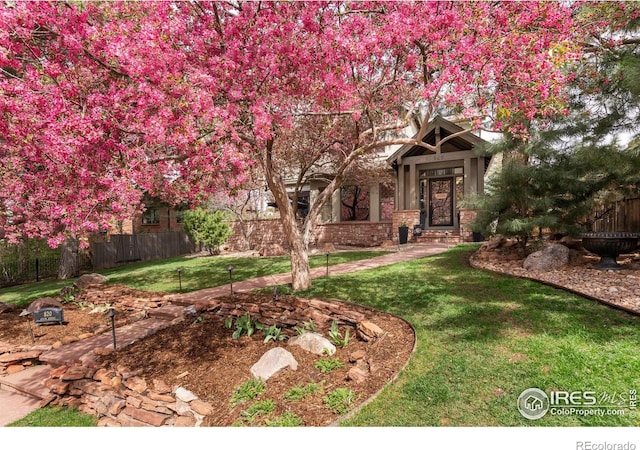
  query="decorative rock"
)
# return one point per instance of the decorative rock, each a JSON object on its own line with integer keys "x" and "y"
{"x": 89, "y": 279}
{"x": 160, "y": 397}
{"x": 357, "y": 355}
{"x": 185, "y": 421}
{"x": 314, "y": 343}
{"x": 201, "y": 407}
{"x": 69, "y": 339}
{"x": 44, "y": 302}
{"x": 273, "y": 362}
{"x": 14, "y": 369}
{"x": 103, "y": 351}
{"x": 74, "y": 373}
{"x": 161, "y": 387}
{"x": 184, "y": 395}
{"x": 59, "y": 388}
{"x": 136, "y": 384}
{"x": 148, "y": 417}
{"x": 183, "y": 408}
{"x": 12, "y": 358}
{"x": 134, "y": 401}
{"x": 551, "y": 257}
{"x": 368, "y": 330}
{"x": 357, "y": 374}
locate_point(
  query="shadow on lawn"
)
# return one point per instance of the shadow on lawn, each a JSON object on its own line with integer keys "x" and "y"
{"x": 444, "y": 293}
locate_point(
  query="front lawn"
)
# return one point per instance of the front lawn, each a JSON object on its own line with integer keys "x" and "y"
{"x": 484, "y": 338}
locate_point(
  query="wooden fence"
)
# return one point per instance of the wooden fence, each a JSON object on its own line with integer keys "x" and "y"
{"x": 126, "y": 248}
{"x": 623, "y": 215}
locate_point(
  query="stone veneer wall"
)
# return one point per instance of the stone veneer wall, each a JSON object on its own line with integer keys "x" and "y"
{"x": 409, "y": 216}
{"x": 357, "y": 234}
{"x": 268, "y": 233}
{"x": 466, "y": 217}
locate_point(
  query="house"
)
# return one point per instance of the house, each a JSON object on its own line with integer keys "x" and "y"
{"x": 158, "y": 217}
{"x": 423, "y": 189}
{"x": 426, "y": 191}
{"x": 431, "y": 186}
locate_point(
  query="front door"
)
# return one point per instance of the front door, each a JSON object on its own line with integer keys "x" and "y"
{"x": 441, "y": 202}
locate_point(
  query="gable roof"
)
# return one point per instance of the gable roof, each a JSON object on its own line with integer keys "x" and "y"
{"x": 446, "y": 128}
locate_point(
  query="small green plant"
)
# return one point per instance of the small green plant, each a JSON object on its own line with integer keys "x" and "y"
{"x": 302, "y": 392}
{"x": 340, "y": 400}
{"x": 244, "y": 325}
{"x": 272, "y": 333}
{"x": 67, "y": 298}
{"x": 306, "y": 326}
{"x": 336, "y": 337}
{"x": 287, "y": 419}
{"x": 326, "y": 365}
{"x": 199, "y": 319}
{"x": 261, "y": 408}
{"x": 247, "y": 391}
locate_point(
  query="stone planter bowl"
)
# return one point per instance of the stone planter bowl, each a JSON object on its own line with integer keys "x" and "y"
{"x": 609, "y": 246}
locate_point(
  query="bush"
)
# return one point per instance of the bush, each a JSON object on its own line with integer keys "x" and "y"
{"x": 206, "y": 228}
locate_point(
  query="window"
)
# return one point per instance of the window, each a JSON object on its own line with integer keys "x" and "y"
{"x": 151, "y": 217}
{"x": 387, "y": 201}
{"x": 355, "y": 203}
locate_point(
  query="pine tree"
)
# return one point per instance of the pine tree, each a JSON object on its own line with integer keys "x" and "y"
{"x": 588, "y": 158}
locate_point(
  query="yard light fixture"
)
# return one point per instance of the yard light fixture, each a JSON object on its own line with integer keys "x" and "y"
{"x": 25, "y": 313}
{"x": 179, "y": 279}
{"x": 230, "y": 269}
{"x": 112, "y": 314}
{"x": 275, "y": 293}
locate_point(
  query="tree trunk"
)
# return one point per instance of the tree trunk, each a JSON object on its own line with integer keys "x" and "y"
{"x": 68, "y": 267}
{"x": 299, "y": 252}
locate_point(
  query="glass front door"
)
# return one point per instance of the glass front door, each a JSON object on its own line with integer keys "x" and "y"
{"x": 440, "y": 195}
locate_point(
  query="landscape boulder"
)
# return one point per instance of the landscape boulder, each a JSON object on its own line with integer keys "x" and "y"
{"x": 272, "y": 363}
{"x": 89, "y": 279}
{"x": 314, "y": 343}
{"x": 551, "y": 257}
{"x": 44, "y": 302}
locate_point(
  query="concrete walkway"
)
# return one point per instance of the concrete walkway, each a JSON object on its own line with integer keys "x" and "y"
{"x": 20, "y": 393}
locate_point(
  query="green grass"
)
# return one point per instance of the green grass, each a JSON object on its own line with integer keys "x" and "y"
{"x": 55, "y": 416}
{"x": 197, "y": 273}
{"x": 484, "y": 338}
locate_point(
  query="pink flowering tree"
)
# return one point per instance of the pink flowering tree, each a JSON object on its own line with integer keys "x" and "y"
{"x": 103, "y": 101}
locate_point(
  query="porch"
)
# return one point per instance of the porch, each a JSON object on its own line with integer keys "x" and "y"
{"x": 431, "y": 185}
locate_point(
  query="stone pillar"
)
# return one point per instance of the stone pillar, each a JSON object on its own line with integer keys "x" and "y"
{"x": 413, "y": 181}
{"x": 336, "y": 206}
{"x": 410, "y": 216}
{"x": 400, "y": 205}
{"x": 374, "y": 203}
{"x": 466, "y": 217}
{"x": 469, "y": 182}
